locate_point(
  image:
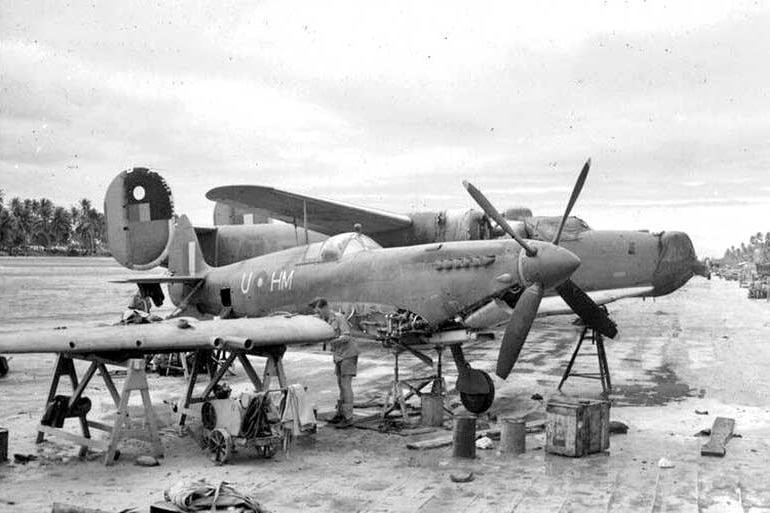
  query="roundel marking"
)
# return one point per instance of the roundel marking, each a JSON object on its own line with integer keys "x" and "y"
{"x": 261, "y": 279}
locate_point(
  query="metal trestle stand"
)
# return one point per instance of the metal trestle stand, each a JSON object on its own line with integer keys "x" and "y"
{"x": 603, "y": 374}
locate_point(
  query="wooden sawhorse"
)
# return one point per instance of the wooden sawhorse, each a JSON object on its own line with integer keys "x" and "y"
{"x": 136, "y": 379}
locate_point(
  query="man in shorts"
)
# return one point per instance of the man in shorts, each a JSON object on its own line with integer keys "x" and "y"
{"x": 345, "y": 352}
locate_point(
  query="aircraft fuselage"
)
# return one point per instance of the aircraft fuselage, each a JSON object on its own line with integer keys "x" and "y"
{"x": 440, "y": 283}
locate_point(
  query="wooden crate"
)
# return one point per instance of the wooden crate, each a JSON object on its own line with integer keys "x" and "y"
{"x": 576, "y": 427}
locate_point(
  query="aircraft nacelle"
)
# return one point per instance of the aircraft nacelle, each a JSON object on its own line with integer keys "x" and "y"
{"x": 452, "y": 225}
{"x": 442, "y": 226}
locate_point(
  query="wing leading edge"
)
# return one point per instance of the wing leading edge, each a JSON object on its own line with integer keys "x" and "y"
{"x": 324, "y": 216}
{"x": 173, "y": 335}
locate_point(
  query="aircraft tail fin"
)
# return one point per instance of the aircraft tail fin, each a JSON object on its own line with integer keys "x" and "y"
{"x": 139, "y": 218}
{"x": 185, "y": 257}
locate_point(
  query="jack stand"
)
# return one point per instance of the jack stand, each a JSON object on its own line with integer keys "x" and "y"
{"x": 604, "y": 371}
{"x": 136, "y": 379}
{"x": 217, "y": 369}
{"x": 182, "y": 359}
{"x": 397, "y": 398}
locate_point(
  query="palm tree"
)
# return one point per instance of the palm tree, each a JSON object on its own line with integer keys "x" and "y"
{"x": 8, "y": 228}
{"x": 61, "y": 225}
{"x": 21, "y": 211}
{"x": 40, "y": 225}
{"x": 89, "y": 225}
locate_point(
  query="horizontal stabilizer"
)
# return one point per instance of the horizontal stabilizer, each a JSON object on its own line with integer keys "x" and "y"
{"x": 172, "y": 335}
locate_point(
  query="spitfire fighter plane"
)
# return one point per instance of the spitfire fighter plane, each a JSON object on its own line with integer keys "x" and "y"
{"x": 426, "y": 294}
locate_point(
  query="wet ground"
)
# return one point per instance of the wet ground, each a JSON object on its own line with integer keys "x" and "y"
{"x": 705, "y": 348}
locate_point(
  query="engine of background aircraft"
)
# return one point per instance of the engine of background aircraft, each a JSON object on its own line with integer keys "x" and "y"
{"x": 448, "y": 225}
{"x": 677, "y": 263}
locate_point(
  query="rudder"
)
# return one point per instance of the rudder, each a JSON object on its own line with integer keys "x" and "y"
{"x": 184, "y": 255}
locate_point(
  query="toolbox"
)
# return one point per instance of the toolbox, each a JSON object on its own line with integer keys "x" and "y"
{"x": 576, "y": 427}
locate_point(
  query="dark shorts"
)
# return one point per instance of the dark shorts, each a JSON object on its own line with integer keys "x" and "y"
{"x": 346, "y": 367}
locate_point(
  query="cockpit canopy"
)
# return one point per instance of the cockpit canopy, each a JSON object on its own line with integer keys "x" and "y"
{"x": 544, "y": 228}
{"x": 339, "y": 246}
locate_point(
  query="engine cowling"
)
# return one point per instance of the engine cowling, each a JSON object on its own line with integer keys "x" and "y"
{"x": 139, "y": 215}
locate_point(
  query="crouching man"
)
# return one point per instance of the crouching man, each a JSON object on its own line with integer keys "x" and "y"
{"x": 345, "y": 351}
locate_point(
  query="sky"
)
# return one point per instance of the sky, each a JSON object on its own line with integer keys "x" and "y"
{"x": 391, "y": 105}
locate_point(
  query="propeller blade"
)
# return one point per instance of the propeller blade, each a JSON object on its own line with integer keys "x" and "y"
{"x": 593, "y": 316}
{"x": 518, "y": 327}
{"x": 492, "y": 212}
{"x": 573, "y": 198}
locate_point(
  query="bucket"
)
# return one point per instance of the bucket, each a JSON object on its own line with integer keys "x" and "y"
{"x": 464, "y": 436}
{"x": 513, "y": 435}
{"x": 432, "y": 410}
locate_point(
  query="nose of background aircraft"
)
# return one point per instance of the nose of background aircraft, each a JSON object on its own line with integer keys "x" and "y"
{"x": 677, "y": 263}
{"x": 550, "y": 266}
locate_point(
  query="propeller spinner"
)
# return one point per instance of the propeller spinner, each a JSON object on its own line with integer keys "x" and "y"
{"x": 543, "y": 265}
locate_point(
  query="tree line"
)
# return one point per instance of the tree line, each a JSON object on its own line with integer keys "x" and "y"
{"x": 30, "y": 225}
{"x": 756, "y": 251}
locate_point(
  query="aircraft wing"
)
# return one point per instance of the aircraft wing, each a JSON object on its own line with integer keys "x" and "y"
{"x": 173, "y": 335}
{"x": 324, "y": 216}
{"x": 555, "y": 305}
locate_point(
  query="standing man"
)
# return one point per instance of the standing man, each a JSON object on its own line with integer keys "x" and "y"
{"x": 345, "y": 352}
